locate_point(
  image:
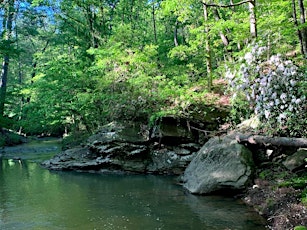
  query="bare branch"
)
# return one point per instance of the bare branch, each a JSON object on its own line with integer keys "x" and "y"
{"x": 230, "y": 5}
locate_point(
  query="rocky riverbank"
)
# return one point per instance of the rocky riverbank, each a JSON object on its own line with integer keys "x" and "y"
{"x": 262, "y": 173}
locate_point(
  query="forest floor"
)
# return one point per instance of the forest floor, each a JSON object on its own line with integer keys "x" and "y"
{"x": 282, "y": 206}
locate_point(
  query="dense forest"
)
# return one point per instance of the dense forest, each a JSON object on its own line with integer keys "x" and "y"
{"x": 72, "y": 66}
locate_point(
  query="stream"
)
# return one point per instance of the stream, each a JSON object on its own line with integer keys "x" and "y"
{"x": 32, "y": 197}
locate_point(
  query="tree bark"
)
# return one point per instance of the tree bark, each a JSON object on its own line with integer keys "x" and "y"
{"x": 304, "y": 29}
{"x": 176, "y": 34}
{"x": 275, "y": 141}
{"x": 8, "y": 25}
{"x": 208, "y": 48}
{"x": 299, "y": 33}
{"x": 154, "y": 23}
{"x": 252, "y": 19}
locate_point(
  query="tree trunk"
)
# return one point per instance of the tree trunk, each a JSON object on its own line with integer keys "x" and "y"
{"x": 252, "y": 19}
{"x": 176, "y": 34}
{"x": 299, "y": 33}
{"x": 8, "y": 24}
{"x": 154, "y": 23}
{"x": 275, "y": 141}
{"x": 304, "y": 29}
{"x": 208, "y": 48}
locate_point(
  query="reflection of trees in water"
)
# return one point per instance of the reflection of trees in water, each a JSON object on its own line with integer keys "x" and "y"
{"x": 3, "y": 194}
{"x": 13, "y": 172}
{"x": 219, "y": 212}
{"x": 33, "y": 196}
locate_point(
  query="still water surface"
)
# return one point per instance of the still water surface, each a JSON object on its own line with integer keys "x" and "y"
{"x": 34, "y": 198}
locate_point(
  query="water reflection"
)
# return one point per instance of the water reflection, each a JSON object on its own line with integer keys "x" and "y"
{"x": 34, "y": 198}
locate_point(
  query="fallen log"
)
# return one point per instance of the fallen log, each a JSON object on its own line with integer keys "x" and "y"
{"x": 276, "y": 141}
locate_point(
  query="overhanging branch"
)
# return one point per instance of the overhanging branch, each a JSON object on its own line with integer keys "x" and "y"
{"x": 230, "y": 5}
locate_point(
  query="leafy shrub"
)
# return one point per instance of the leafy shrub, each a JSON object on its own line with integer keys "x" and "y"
{"x": 9, "y": 139}
{"x": 240, "y": 109}
{"x": 304, "y": 197}
{"x": 300, "y": 228}
{"x": 2, "y": 140}
{"x": 275, "y": 90}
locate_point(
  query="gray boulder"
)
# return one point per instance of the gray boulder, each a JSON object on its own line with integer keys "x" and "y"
{"x": 296, "y": 161}
{"x": 221, "y": 163}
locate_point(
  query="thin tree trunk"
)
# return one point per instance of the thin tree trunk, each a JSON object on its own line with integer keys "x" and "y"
{"x": 154, "y": 22}
{"x": 6, "y": 59}
{"x": 304, "y": 29}
{"x": 252, "y": 19}
{"x": 299, "y": 33}
{"x": 176, "y": 33}
{"x": 21, "y": 102}
{"x": 208, "y": 48}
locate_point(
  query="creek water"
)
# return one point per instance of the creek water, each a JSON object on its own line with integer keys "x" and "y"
{"x": 32, "y": 197}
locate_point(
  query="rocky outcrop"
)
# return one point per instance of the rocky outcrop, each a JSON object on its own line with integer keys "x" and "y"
{"x": 129, "y": 148}
{"x": 221, "y": 164}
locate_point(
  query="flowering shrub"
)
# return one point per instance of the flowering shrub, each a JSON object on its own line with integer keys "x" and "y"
{"x": 275, "y": 90}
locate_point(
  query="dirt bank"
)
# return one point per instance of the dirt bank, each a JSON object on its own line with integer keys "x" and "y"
{"x": 278, "y": 198}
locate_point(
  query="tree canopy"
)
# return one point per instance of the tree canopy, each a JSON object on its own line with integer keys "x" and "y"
{"x": 75, "y": 65}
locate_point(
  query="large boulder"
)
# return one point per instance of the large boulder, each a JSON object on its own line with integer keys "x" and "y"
{"x": 221, "y": 164}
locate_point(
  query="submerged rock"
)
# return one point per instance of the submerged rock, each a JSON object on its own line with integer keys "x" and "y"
{"x": 221, "y": 164}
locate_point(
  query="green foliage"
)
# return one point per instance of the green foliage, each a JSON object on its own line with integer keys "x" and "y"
{"x": 9, "y": 138}
{"x": 80, "y": 64}
{"x": 300, "y": 228}
{"x": 304, "y": 197}
{"x": 240, "y": 109}
{"x": 6, "y": 122}
{"x": 276, "y": 175}
{"x": 74, "y": 139}
{"x": 296, "y": 182}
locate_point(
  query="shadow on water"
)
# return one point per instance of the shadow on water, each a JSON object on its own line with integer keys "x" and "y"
{"x": 34, "y": 198}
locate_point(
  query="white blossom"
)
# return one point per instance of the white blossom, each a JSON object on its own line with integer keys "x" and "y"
{"x": 298, "y": 101}
{"x": 249, "y": 58}
{"x": 283, "y": 96}
{"x": 282, "y": 116}
{"x": 270, "y": 86}
{"x": 267, "y": 114}
{"x": 277, "y": 102}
